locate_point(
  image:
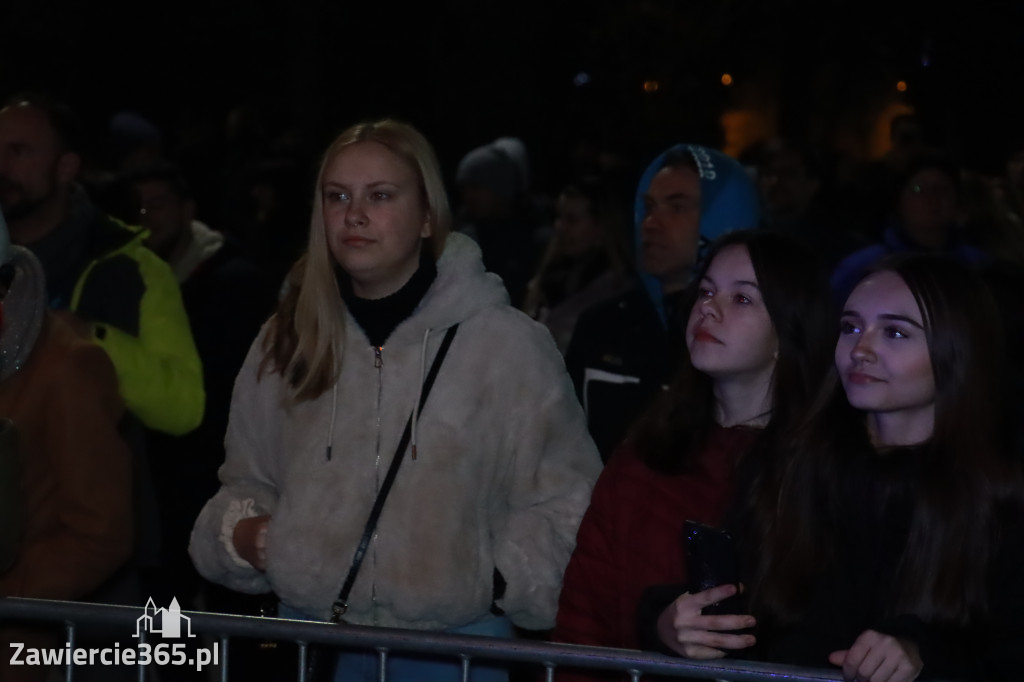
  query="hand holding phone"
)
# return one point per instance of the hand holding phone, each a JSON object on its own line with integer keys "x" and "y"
{"x": 685, "y": 628}
{"x": 711, "y": 561}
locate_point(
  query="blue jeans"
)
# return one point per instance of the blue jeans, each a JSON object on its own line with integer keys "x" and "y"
{"x": 364, "y": 666}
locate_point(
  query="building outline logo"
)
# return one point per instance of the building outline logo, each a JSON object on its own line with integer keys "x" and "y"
{"x": 170, "y": 621}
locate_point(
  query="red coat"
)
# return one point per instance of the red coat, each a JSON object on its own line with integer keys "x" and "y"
{"x": 631, "y": 537}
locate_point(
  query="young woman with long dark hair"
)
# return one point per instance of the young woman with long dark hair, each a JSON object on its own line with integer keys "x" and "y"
{"x": 894, "y": 543}
{"x": 756, "y": 348}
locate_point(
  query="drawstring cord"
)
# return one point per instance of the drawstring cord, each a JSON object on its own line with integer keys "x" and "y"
{"x": 334, "y": 412}
{"x": 419, "y": 391}
{"x": 415, "y": 407}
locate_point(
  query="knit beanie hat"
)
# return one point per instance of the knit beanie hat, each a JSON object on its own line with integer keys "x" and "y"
{"x": 128, "y": 131}
{"x": 500, "y": 166}
{"x": 516, "y": 151}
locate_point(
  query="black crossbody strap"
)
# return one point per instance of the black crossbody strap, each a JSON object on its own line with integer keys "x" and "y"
{"x": 340, "y": 605}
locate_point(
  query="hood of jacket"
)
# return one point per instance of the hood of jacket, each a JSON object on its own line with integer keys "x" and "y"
{"x": 23, "y": 311}
{"x": 461, "y": 289}
{"x": 204, "y": 244}
{"x": 728, "y": 201}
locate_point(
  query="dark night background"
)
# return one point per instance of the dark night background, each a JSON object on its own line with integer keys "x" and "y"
{"x": 467, "y": 72}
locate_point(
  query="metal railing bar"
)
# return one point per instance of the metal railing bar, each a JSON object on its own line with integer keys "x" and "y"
{"x": 303, "y": 660}
{"x": 69, "y": 628}
{"x": 415, "y": 641}
{"x": 225, "y": 642}
{"x": 142, "y": 669}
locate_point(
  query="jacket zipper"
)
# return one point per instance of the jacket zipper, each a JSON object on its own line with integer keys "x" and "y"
{"x": 378, "y": 363}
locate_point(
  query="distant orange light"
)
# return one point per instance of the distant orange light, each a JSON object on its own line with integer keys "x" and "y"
{"x": 651, "y": 86}
{"x": 726, "y": 79}
{"x": 902, "y": 86}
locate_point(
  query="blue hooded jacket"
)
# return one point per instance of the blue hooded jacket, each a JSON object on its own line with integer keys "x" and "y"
{"x": 728, "y": 201}
{"x": 622, "y": 350}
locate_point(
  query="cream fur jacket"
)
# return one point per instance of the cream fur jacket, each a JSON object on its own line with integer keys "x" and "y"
{"x": 503, "y": 472}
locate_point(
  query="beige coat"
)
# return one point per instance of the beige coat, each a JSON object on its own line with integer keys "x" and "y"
{"x": 502, "y": 477}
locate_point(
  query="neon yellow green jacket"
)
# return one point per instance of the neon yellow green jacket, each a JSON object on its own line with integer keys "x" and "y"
{"x": 134, "y": 304}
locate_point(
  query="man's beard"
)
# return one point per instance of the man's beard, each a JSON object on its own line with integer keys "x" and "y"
{"x": 15, "y": 201}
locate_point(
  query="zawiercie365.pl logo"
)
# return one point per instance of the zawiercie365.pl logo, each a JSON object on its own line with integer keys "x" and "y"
{"x": 169, "y": 623}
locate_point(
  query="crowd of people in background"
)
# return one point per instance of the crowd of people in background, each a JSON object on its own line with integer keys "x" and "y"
{"x": 707, "y": 342}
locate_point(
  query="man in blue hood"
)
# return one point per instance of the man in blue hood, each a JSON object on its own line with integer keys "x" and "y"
{"x": 623, "y": 351}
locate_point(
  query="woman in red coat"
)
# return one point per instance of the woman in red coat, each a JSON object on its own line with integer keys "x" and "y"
{"x": 758, "y": 344}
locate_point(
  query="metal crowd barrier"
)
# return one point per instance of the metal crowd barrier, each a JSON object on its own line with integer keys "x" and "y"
{"x": 468, "y": 649}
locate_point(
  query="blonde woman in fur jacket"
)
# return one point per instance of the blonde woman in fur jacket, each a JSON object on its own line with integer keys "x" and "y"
{"x": 482, "y": 516}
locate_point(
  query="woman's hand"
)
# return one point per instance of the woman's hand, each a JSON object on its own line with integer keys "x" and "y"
{"x": 250, "y": 538}
{"x": 875, "y": 657}
{"x": 683, "y": 629}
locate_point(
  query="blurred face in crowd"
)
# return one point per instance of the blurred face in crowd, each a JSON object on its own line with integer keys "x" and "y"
{"x": 786, "y": 187}
{"x": 575, "y": 226}
{"x": 164, "y": 213}
{"x": 35, "y": 172}
{"x": 481, "y": 203}
{"x": 928, "y": 207}
{"x": 883, "y": 359}
{"x": 730, "y": 335}
{"x": 375, "y": 217}
{"x": 670, "y": 231}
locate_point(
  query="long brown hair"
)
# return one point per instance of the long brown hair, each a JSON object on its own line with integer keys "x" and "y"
{"x": 305, "y": 341}
{"x": 967, "y": 471}
{"x": 795, "y": 293}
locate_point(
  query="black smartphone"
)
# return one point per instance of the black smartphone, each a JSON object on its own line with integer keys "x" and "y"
{"x": 711, "y": 561}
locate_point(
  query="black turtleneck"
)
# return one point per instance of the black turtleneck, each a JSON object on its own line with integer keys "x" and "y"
{"x": 379, "y": 317}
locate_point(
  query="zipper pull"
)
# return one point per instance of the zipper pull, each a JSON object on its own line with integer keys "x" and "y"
{"x": 378, "y": 361}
